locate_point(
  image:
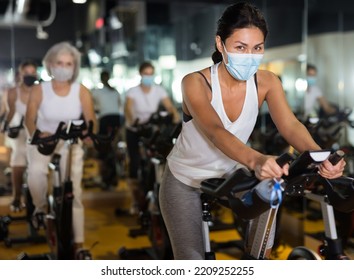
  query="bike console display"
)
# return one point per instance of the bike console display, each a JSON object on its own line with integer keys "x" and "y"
{"x": 307, "y": 162}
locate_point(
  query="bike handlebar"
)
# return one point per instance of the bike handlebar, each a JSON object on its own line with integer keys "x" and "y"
{"x": 302, "y": 175}
{"x": 72, "y": 131}
{"x": 239, "y": 181}
{"x": 13, "y": 131}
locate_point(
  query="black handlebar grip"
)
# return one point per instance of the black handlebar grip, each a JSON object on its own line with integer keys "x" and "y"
{"x": 284, "y": 159}
{"x": 336, "y": 157}
{"x": 34, "y": 137}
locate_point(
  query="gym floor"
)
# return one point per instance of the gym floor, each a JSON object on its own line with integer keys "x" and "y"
{"x": 107, "y": 234}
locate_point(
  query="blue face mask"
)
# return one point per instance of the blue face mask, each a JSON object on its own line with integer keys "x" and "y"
{"x": 242, "y": 66}
{"x": 311, "y": 80}
{"x": 147, "y": 80}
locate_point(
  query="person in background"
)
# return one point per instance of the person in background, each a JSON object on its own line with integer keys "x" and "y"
{"x": 314, "y": 101}
{"x": 17, "y": 98}
{"x": 141, "y": 102}
{"x": 220, "y": 108}
{"x": 60, "y": 100}
{"x": 108, "y": 103}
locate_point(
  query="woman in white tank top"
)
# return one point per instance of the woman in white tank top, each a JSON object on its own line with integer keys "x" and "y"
{"x": 220, "y": 106}
{"x": 59, "y": 100}
{"x": 17, "y": 98}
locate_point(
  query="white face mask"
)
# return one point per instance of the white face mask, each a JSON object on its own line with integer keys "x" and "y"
{"x": 62, "y": 74}
{"x": 242, "y": 66}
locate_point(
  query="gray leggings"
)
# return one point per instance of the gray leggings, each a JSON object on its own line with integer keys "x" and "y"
{"x": 182, "y": 213}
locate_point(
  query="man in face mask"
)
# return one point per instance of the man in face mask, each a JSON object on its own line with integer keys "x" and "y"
{"x": 17, "y": 98}
{"x": 141, "y": 102}
{"x": 314, "y": 101}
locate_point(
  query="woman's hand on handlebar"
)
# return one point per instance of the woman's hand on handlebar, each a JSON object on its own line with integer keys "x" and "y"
{"x": 268, "y": 168}
{"x": 329, "y": 171}
{"x": 44, "y": 134}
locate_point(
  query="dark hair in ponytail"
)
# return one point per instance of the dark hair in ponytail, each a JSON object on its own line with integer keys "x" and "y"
{"x": 236, "y": 16}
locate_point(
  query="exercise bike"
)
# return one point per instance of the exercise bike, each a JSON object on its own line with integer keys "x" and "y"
{"x": 58, "y": 221}
{"x": 250, "y": 199}
{"x": 156, "y": 137}
{"x": 33, "y": 235}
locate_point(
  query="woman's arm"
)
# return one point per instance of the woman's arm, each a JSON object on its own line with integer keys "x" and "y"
{"x": 3, "y": 103}
{"x": 11, "y": 100}
{"x": 167, "y": 103}
{"x": 326, "y": 106}
{"x": 128, "y": 111}
{"x": 88, "y": 107}
{"x": 294, "y": 132}
{"x": 34, "y": 101}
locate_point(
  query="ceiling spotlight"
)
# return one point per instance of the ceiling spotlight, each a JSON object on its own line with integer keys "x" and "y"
{"x": 114, "y": 22}
{"x": 79, "y": 1}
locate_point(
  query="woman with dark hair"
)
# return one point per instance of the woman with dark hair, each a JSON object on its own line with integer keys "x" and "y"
{"x": 220, "y": 108}
{"x": 17, "y": 98}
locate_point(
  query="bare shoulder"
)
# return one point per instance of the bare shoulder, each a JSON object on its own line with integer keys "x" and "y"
{"x": 268, "y": 81}
{"x": 85, "y": 94}
{"x": 265, "y": 77}
{"x": 195, "y": 78}
{"x": 84, "y": 89}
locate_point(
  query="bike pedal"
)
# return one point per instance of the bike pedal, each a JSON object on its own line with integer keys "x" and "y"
{"x": 83, "y": 254}
{"x": 38, "y": 221}
{"x": 17, "y": 206}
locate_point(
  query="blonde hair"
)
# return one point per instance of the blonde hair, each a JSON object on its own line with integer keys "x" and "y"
{"x": 63, "y": 47}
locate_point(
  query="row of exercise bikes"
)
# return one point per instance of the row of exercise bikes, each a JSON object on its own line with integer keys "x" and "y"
{"x": 241, "y": 192}
{"x": 57, "y": 223}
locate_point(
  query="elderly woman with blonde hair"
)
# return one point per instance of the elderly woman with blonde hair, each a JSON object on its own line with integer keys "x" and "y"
{"x": 59, "y": 100}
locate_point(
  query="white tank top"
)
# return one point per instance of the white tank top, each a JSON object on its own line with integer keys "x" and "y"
{"x": 20, "y": 107}
{"x": 194, "y": 157}
{"x": 145, "y": 104}
{"x": 55, "y": 109}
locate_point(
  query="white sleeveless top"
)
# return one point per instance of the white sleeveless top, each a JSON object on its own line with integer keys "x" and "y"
{"x": 55, "y": 109}
{"x": 20, "y": 107}
{"x": 194, "y": 157}
{"x": 145, "y": 104}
